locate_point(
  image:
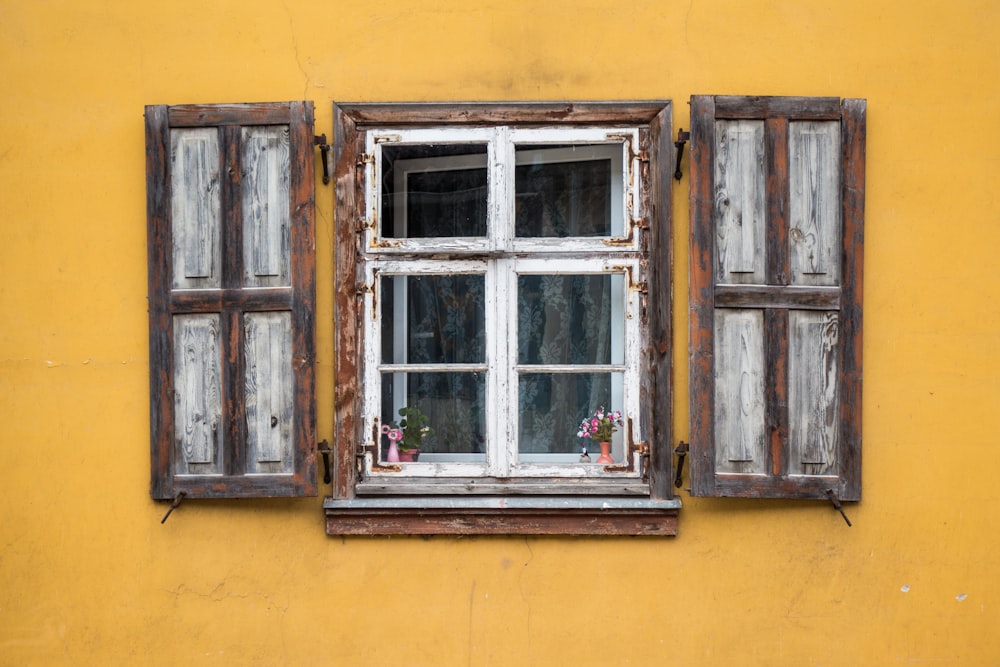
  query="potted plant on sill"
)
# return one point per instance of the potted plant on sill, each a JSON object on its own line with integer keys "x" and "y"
{"x": 406, "y": 437}
{"x": 600, "y": 427}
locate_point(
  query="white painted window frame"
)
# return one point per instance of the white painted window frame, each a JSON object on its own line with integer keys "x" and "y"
{"x": 501, "y": 258}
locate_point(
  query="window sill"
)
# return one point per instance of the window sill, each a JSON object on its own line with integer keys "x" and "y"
{"x": 501, "y": 515}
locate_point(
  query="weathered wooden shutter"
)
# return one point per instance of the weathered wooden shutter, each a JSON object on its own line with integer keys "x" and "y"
{"x": 777, "y": 215}
{"x": 231, "y": 299}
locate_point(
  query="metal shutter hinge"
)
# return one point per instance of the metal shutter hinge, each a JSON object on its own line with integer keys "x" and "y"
{"x": 324, "y": 151}
{"x": 682, "y": 138}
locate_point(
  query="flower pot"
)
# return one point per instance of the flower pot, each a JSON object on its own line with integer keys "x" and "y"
{"x": 605, "y": 456}
{"x": 409, "y": 455}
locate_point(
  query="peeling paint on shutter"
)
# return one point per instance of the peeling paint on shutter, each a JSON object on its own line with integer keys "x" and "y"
{"x": 777, "y": 191}
{"x": 232, "y": 299}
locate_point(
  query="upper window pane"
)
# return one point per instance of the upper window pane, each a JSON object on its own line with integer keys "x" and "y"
{"x": 572, "y": 190}
{"x": 434, "y": 190}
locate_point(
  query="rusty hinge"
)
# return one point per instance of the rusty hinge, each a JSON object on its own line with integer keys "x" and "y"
{"x": 633, "y": 152}
{"x": 682, "y": 138}
{"x": 365, "y": 159}
{"x": 369, "y": 288}
{"x": 324, "y": 151}
{"x": 629, "y": 283}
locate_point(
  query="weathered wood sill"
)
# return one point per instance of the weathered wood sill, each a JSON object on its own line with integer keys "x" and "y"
{"x": 501, "y": 515}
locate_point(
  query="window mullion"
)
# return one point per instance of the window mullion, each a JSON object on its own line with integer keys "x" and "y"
{"x": 501, "y": 183}
{"x": 503, "y": 444}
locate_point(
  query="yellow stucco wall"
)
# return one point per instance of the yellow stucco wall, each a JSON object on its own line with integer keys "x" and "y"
{"x": 88, "y": 576}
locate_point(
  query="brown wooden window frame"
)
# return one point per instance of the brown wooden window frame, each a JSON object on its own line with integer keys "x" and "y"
{"x": 523, "y": 508}
{"x": 231, "y": 301}
{"x": 776, "y": 298}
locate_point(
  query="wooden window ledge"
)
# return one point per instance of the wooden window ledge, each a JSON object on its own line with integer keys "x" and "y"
{"x": 501, "y": 515}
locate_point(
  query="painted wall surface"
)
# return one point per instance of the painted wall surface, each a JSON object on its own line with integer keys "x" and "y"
{"x": 88, "y": 575}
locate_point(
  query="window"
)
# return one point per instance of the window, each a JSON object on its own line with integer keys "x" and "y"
{"x": 231, "y": 292}
{"x": 777, "y": 217}
{"x": 503, "y": 270}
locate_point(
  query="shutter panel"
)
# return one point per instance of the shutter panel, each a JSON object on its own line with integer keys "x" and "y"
{"x": 231, "y": 299}
{"x": 777, "y": 216}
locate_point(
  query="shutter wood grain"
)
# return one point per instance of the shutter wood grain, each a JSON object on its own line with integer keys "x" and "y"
{"x": 739, "y": 201}
{"x": 813, "y": 371}
{"x": 776, "y": 361}
{"x": 739, "y": 391}
{"x": 197, "y": 393}
{"x": 196, "y": 208}
{"x": 814, "y": 179}
{"x": 232, "y": 323}
{"x": 269, "y": 393}
{"x": 266, "y": 190}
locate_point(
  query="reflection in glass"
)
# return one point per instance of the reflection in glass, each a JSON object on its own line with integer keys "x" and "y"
{"x": 433, "y": 318}
{"x": 432, "y": 191}
{"x": 566, "y": 190}
{"x": 552, "y": 405}
{"x": 454, "y": 403}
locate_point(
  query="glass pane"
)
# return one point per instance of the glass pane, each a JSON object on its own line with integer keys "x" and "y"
{"x": 433, "y": 319}
{"x": 570, "y": 319}
{"x": 552, "y": 405}
{"x": 453, "y": 403}
{"x": 567, "y": 190}
{"x": 433, "y": 191}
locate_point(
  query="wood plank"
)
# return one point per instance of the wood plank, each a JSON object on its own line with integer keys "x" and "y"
{"x": 523, "y": 113}
{"x": 740, "y": 437}
{"x": 507, "y": 523}
{"x": 277, "y": 298}
{"x": 853, "y": 133}
{"x": 502, "y": 516}
{"x": 265, "y": 188}
{"x": 785, "y": 486}
{"x": 350, "y": 201}
{"x": 659, "y": 300}
{"x": 775, "y": 296}
{"x": 269, "y": 392}
{"x": 702, "y": 319}
{"x": 813, "y": 391}
{"x": 776, "y": 139}
{"x": 303, "y": 279}
{"x": 158, "y": 259}
{"x": 198, "y": 428}
{"x": 204, "y": 115}
{"x": 739, "y": 201}
{"x": 794, "y": 108}
{"x": 814, "y": 206}
{"x": 776, "y": 388}
{"x": 196, "y": 208}
{"x": 485, "y": 486}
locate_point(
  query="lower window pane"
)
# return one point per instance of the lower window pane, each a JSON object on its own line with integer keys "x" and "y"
{"x": 454, "y": 405}
{"x": 552, "y": 405}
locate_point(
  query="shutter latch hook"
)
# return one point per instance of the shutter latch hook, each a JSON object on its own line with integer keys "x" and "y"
{"x": 836, "y": 504}
{"x": 177, "y": 501}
